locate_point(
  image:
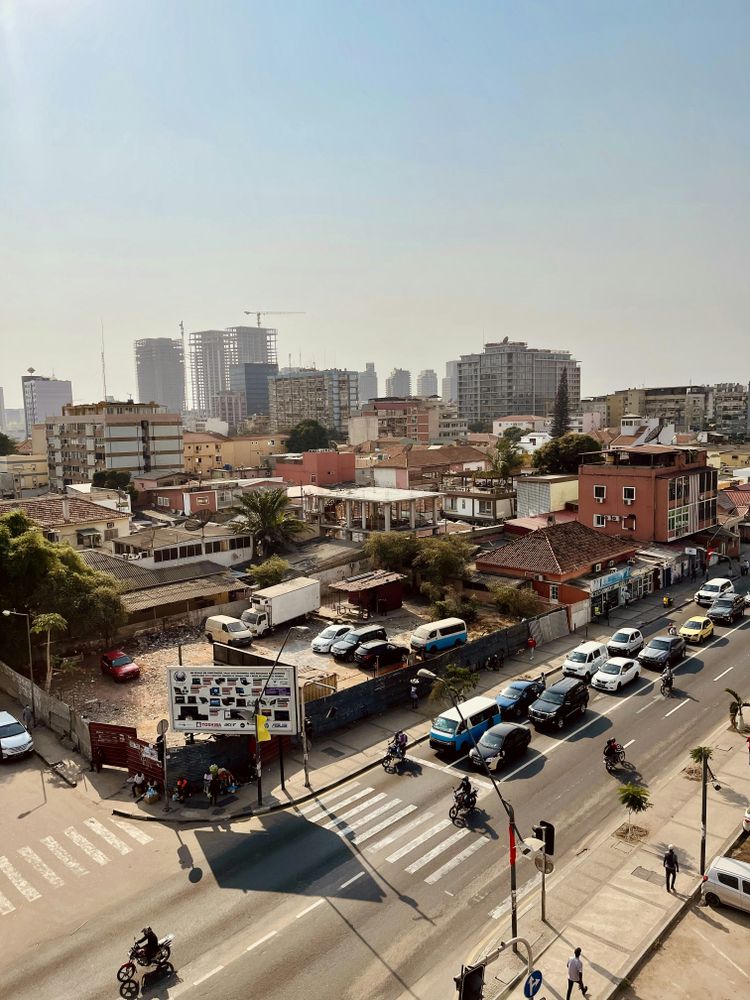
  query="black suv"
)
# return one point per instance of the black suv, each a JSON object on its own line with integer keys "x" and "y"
{"x": 381, "y": 653}
{"x": 662, "y": 650}
{"x": 345, "y": 647}
{"x": 727, "y": 609}
{"x": 560, "y": 702}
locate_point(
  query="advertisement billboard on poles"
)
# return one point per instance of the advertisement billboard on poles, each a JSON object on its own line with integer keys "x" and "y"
{"x": 221, "y": 699}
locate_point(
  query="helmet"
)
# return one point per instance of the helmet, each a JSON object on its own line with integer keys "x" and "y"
{"x": 671, "y": 847}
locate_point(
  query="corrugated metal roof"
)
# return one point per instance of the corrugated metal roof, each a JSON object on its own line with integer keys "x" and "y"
{"x": 172, "y": 593}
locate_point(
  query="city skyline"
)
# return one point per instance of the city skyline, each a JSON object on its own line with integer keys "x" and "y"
{"x": 595, "y": 191}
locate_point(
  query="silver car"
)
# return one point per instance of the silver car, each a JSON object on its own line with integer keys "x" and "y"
{"x": 15, "y": 739}
{"x": 332, "y": 633}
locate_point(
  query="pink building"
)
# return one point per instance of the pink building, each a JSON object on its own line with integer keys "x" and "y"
{"x": 317, "y": 468}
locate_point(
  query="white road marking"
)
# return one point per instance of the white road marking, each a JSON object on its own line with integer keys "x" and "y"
{"x": 208, "y": 975}
{"x": 133, "y": 831}
{"x": 39, "y": 866}
{"x": 62, "y": 855}
{"x": 101, "y": 831}
{"x": 441, "y": 825}
{"x": 457, "y": 860}
{"x": 728, "y": 959}
{"x": 676, "y": 708}
{"x": 439, "y": 849}
{"x": 86, "y": 846}
{"x": 341, "y": 820}
{"x": 446, "y": 767}
{"x": 628, "y": 744}
{"x": 652, "y": 702}
{"x": 321, "y": 813}
{"x": 5, "y": 905}
{"x": 324, "y": 800}
{"x": 18, "y": 881}
{"x": 312, "y": 907}
{"x": 718, "y": 679}
{"x": 345, "y": 885}
{"x": 397, "y": 834}
{"x": 360, "y": 838}
{"x": 261, "y": 941}
{"x": 363, "y": 820}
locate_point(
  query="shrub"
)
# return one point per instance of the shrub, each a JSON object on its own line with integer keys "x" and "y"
{"x": 516, "y": 602}
{"x": 271, "y": 572}
{"x": 454, "y": 605}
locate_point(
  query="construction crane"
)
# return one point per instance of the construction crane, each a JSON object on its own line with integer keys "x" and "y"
{"x": 269, "y": 312}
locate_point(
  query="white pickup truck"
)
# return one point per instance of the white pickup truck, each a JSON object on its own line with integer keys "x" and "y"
{"x": 279, "y": 605}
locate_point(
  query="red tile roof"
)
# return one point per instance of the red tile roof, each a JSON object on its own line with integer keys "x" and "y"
{"x": 421, "y": 458}
{"x": 47, "y": 511}
{"x": 560, "y": 549}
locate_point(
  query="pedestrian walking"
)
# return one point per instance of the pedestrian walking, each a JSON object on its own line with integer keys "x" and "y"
{"x": 28, "y": 717}
{"x": 414, "y": 695}
{"x": 206, "y": 782}
{"x": 543, "y": 680}
{"x": 214, "y": 786}
{"x": 531, "y": 643}
{"x": 575, "y": 974}
{"x": 671, "y": 867}
{"x": 748, "y": 749}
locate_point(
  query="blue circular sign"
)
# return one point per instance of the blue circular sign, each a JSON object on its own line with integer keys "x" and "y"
{"x": 533, "y": 984}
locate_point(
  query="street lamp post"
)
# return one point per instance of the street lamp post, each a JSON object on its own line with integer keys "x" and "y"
{"x": 294, "y": 628}
{"x": 22, "y": 614}
{"x": 705, "y": 771}
{"x": 512, "y": 829}
{"x": 305, "y": 752}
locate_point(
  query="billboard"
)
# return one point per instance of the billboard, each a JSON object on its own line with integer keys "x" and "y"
{"x": 221, "y": 699}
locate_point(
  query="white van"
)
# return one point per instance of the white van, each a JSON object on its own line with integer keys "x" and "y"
{"x": 445, "y": 634}
{"x": 727, "y": 881}
{"x": 229, "y": 631}
{"x": 585, "y": 660}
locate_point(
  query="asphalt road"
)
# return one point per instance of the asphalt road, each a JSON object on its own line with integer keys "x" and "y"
{"x": 373, "y": 893}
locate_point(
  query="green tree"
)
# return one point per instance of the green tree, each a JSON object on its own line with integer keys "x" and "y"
{"x": 698, "y": 753}
{"x": 480, "y": 427}
{"x": 455, "y": 605}
{"x": 456, "y": 681}
{"x": 513, "y": 434}
{"x": 441, "y": 560}
{"x": 392, "y": 550}
{"x": 267, "y": 516}
{"x": 635, "y": 798}
{"x": 561, "y": 419}
{"x": 506, "y": 458}
{"x": 271, "y": 572}
{"x": 307, "y": 435}
{"x": 46, "y": 624}
{"x": 563, "y": 454}
{"x": 111, "y": 479}
{"x": 517, "y": 602}
{"x": 735, "y": 708}
{"x": 7, "y": 445}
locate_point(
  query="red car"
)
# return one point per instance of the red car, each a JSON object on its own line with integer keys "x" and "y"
{"x": 119, "y": 665}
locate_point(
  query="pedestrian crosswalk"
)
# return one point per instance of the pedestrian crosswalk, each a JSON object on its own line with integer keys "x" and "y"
{"x": 29, "y": 871}
{"x": 360, "y": 814}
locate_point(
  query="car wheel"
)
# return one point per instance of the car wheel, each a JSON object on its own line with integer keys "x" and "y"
{"x": 617, "y": 687}
{"x": 583, "y": 708}
{"x": 700, "y": 640}
{"x": 712, "y": 899}
{"x": 587, "y": 678}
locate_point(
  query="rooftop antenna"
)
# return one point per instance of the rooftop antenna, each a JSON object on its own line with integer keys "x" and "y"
{"x": 104, "y": 367}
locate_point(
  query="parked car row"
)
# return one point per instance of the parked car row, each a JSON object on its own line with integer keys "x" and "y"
{"x": 369, "y": 643}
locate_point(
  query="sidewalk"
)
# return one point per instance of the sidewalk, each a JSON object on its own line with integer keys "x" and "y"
{"x": 357, "y": 748}
{"x": 612, "y": 902}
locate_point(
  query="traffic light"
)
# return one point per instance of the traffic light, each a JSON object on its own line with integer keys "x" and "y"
{"x": 309, "y": 729}
{"x": 546, "y": 832}
{"x": 160, "y": 748}
{"x": 470, "y": 984}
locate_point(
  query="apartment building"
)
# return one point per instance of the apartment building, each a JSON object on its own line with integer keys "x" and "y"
{"x": 230, "y": 407}
{"x": 43, "y": 397}
{"x": 449, "y": 385}
{"x": 727, "y": 409}
{"x": 329, "y": 396}
{"x": 398, "y": 383}
{"x": 123, "y": 437}
{"x": 251, "y": 378}
{"x": 23, "y": 476}
{"x": 651, "y": 493}
{"x": 368, "y": 384}
{"x": 213, "y": 353}
{"x": 511, "y": 377}
{"x": 205, "y": 451}
{"x": 427, "y": 383}
{"x": 160, "y": 372}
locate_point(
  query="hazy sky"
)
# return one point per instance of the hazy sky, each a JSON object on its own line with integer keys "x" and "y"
{"x": 416, "y": 177}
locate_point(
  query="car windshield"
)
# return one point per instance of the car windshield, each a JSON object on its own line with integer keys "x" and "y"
{"x": 251, "y": 616}
{"x": 659, "y": 644}
{"x": 577, "y": 657}
{"x": 610, "y": 668}
{"x": 445, "y": 725}
{"x": 349, "y": 639}
{"x": 554, "y": 696}
{"x": 511, "y": 693}
{"x": 12, "y": 729}
{"x": 235, "y": 627}
{"x": 711, "y": 588}
{"x": 722, "y": 604}
{"x": 694, "y": 623}
{"x": 121, "y": 661}
{"x": 491, "y": 742}
{"x": 621, "y": 637}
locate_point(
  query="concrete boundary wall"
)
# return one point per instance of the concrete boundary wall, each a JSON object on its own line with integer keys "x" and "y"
{"x": 50, "y": 711}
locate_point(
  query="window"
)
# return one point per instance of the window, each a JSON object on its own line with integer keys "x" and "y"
{"x": 554, "y": 592}
{"x": 162, "y": 501}
{"x": 628, "y": 493}
{"x": 746, "y": 886}
{"x": 201, "y": 501}
{"x": 485, "y": 506}
{"x": 212, "y": 547}
{"x": 628, "y": 523}
{"x": 599, "y": 520}
{"x": 729, "y": 880}
{"x": 600, "y": 493}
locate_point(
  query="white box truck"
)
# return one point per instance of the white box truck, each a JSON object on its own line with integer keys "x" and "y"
{"x": 282, "y": 604}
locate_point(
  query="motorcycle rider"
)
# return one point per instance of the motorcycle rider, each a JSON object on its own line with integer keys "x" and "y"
{"x": 399, "y": 741}
{"x": 611, "y": 748}
{"x": 150, "y": 944}
{"x": 667, "y": 678}
{"x": 464, "y": 791}
{"x": 671, "y": 630}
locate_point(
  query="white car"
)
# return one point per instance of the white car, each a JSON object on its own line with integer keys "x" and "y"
{"x": 584, "y": 660}
{"x": 616, "y": 673}
{"x": 746, "y": 820}
{"x": 15, "y": 739}
{"x": 625, "y": 642}
{"x": 712, "y": 590}
{"x": 332, "y": 633}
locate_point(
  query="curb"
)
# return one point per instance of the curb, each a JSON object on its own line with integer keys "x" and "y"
{"x": 53, "y": 767}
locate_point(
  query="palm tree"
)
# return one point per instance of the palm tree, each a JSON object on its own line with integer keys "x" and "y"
{"x": 698, "y": 753}
{"x": 735, "y": 708}
{"x": 49, "y": 623}
{"x": 635, "y": 799}
{"x": 505, "y": 458}
{"x": 267, "y": 516}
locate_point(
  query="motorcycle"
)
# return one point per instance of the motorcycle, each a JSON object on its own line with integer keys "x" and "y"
{"x": 615, "y": 757}
{"x": 666, "y": 688}
{"x": 394, "y": 757}
{"x": 462, "y": 804}
{"x": 138, "y": 955}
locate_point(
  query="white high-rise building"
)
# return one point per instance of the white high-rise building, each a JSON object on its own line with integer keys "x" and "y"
{"x": 368, "y": 384}
{"x": 427, "y": 383}
{"x": 214, "y": 352}
{"x": 43, "y": 397}
{"x": 449, "y": 387}
{"x": 398, "y": 383}
{"x": 160, "y": 372}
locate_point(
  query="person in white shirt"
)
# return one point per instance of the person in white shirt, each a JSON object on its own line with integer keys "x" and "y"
{"x": 575, "y": 974}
